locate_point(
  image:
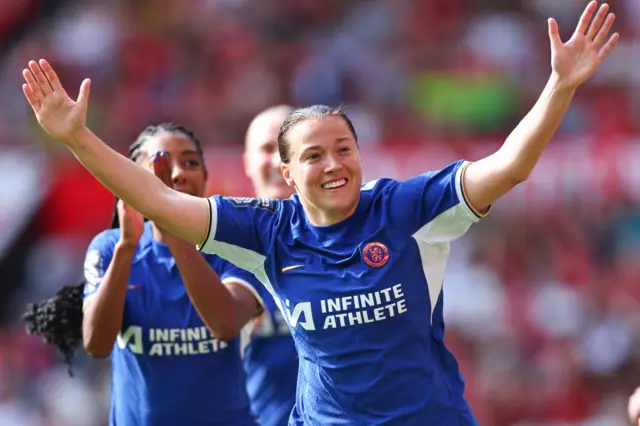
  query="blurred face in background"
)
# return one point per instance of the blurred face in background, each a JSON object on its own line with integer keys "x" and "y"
{"x": 186, "y": 165}
{"x": 261, "y": 158}
{"x": 325, "y": 168}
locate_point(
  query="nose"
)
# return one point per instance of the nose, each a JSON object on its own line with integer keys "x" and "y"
{"x": 275, "y": 160}
{"x": 332, "y": 164}
{"x": 177, "y": 173}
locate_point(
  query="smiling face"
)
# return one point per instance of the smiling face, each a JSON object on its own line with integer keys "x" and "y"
{"x": 325, "y": 168}
{"x": 188, "y": 173}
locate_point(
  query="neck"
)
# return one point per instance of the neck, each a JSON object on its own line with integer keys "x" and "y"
{"x": 319, "y": 217}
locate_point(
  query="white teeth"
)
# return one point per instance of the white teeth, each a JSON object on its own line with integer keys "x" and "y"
{"x": 335, "y": 184}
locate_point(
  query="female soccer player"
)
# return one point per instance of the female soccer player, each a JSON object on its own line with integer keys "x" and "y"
{"x": 167, "y": 368}
{"x": 270, "y": 359}
{"x": 356, "y": 270}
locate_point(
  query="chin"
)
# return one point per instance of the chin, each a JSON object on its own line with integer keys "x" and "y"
{"x": 340, "y": 206}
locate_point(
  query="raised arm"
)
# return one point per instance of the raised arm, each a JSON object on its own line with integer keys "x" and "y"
{"x": 106, "y": 270}
{"x": 64, "y": 119}
{"x": 572, "y": 64}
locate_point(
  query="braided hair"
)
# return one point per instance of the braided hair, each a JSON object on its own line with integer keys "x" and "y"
{"x": 59, "y": 319}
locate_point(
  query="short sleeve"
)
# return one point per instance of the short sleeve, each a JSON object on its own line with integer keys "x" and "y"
{"x": 241, "y": 229}
{"x": 233, "y": 274}
{"x": 96, "y": 261}
{"x": 433, "y": 206}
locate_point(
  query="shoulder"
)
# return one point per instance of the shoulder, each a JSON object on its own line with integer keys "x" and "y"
{"x": 377, "y": 186}
{"x": 99, "y": 254}
{"x": 105, "y": 239}
{"x": 266, "y": 204}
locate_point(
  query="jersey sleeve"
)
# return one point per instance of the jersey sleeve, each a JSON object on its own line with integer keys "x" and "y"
{"x": 240, "y": 229}
{"x": 433, "y": 206}
{"x": 96, "y": 261}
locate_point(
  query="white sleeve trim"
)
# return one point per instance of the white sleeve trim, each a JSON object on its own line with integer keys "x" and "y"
{"x": 243, "y": 283}
{"x": 209, "y": 242}
{"x": 473, "y": 214}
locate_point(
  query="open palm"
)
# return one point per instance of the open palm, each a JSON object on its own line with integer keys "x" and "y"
{"x": 57, "y": 113}
{"x": 576, "y": 60}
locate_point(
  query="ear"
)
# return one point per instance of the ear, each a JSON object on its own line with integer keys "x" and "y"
{"x": 286, "y": 174}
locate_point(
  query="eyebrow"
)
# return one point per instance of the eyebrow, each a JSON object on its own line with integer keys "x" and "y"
{"x": 317, "y": 147}
{"x": 149, "y": 155}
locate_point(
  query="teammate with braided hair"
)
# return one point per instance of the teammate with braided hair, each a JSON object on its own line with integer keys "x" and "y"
{"x": 58, "y": 320}
{"x": 173, "y": 362}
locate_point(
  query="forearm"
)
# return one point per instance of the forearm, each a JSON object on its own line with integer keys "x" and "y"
{"x": 488, "y": 179}
{"x": 212, "y": 299}
{"x": 103, "y": 314}
{"x": 524, "y": 146}
{"x": 179, "y": 213}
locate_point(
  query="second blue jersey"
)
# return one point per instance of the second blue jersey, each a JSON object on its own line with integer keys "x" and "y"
{"x": 167, "y": 368}
{"x": 271, "y": 362}
{"x": 363, "y": 298}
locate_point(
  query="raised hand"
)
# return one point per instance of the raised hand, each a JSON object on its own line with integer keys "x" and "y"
{"x": 57, "y": 113}
{"x": 576, "y": 60}
{"x": 131, "y": 224}
{"x": 161, "y": 168}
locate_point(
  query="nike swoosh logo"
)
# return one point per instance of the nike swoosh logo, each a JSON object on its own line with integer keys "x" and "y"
{"x": 133, "y": 286}
{"x": 288, "y": 268}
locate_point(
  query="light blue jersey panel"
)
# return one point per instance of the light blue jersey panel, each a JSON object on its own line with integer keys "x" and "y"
{"x": 363, "y": 298}
{"x": 167, "y": 368}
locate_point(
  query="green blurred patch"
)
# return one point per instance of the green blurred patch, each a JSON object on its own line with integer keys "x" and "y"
{"x": 476, "y": 102}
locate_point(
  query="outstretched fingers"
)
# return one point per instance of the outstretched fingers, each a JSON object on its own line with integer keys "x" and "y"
{"x": 583, "y": 23}
{"x": 608, "y": 47}
{"x": 51, "y": 75}
{"x": 31, "y": 97}
{"x": 603, "y": 33}
{"x": 596, "y": 24}
{"x": 34, "y": 87}
{"x": 40, "y": 77}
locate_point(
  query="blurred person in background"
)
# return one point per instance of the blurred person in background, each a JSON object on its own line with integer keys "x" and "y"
{"x": 167, "y": 368}
{"x": 271, "y": 360}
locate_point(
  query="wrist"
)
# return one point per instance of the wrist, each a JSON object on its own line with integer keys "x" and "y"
{"x": 77, "y": 138}
{"x": 127, "y": 247}
{"x": 560, "y": 85}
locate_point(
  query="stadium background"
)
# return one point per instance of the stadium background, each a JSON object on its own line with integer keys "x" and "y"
{"x": 542, "y": 299}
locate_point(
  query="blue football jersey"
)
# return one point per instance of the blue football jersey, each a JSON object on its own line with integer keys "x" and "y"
{"x": 167, "y": 368}
{"x": 363, "y": 297}
{"x": 271, "y": 363}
